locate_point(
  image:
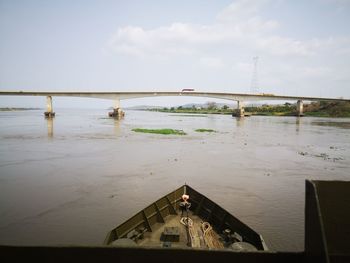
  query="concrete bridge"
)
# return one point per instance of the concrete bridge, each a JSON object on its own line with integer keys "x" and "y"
{"x": 117, "y": 96}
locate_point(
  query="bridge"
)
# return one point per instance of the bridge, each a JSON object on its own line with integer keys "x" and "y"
{"x": 240, "y": 98}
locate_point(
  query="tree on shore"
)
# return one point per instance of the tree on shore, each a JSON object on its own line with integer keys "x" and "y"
{"x": 211, "y": 105}
{"x": 225, "y": 107}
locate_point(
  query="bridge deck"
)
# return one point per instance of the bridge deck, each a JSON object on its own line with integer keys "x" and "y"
{"x": 131, "y": 95}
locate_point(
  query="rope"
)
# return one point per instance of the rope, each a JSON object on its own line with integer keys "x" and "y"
{"x": 209, "y": 236}
{"x": 188, "y": 222}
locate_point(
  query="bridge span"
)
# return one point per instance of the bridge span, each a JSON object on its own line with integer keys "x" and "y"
{"x": 117, "y": 96}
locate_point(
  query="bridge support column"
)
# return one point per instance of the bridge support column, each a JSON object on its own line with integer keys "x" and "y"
{"x": 117, "y": 111}
{"x": 300, "y": 107}
{"x": 49, "y": 113}
{"x": 240, "y": 109}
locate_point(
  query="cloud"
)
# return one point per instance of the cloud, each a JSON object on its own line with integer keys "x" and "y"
{"x": 316, "y": 71}
{"x": 243, "y": 67}
{"x": 342, "y": 4}
{"x": 283, "y": 46}
{"x": 211, "y": 62}
{"x": 339, "y": 45}
{"x": 236, "y": 25}
{"x": 238, "y": 34}
{"x": 186, "y": 39}
{"x": 240, "y": 10}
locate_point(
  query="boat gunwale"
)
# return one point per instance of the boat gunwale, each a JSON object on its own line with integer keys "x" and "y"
{"x": 107, "y": 240}
{"x": 258, "y": 237}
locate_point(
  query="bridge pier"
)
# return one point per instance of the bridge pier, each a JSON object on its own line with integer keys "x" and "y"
{"x": 49, "y": 113}
{"x": 300, "y": 107}
{"x": 239, "y": 112}
{"x": 117, "y": 111}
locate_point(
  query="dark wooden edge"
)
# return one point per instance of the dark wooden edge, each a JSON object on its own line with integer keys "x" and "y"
{"x": 113, "y": 254}
{"x": 315, "y": 241}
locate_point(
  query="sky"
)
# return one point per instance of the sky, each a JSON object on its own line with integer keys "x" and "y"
{"x": 303, "y": 48}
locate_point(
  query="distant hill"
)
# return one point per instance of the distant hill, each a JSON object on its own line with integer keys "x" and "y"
{"x": 144, "y": 107}
{"x": 205, "y": 105}
{"x": 189, "y": 105}
{"x": 18, "y": 109}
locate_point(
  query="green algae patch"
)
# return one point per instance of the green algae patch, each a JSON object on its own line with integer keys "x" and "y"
{"x": 160, "y": 131}
{"x": 205, "y": 130}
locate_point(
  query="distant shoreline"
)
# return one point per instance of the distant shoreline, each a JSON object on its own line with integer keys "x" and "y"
{"x": 17, "y": 109}
{"x": 314, "y": 109}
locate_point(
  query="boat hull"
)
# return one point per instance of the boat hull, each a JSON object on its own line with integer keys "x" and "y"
{"x": 144, "y": 227}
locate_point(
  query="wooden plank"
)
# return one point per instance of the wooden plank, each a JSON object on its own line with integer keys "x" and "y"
{"x": 160, "y": 217}
{"x": 199, "y": 206}
{"x": 211, "y": 213}
{"x": 172, "y": 209}
{"x": 146, "y": 221}
{"x": 223, "y": 220}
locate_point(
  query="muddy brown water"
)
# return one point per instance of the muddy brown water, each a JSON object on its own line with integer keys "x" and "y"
{"x": 70, "y": 180}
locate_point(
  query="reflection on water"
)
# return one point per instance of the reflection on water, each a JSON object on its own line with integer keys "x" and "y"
{"x": 95, "y": 173}
{"x": 239, "y": 121}
{"x": 298, "y": 122}
{"x": 49, "y": 127}
{"x": 117, "y": 126}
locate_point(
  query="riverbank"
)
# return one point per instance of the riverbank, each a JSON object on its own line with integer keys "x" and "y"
{"x": 314, "y": 109}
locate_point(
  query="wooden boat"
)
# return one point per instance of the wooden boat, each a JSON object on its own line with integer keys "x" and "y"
{"x": 203, "y": 225}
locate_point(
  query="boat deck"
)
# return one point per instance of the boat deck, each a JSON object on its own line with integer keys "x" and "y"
{"x": 156, "y": 237}
{"x": 160, "y": 225}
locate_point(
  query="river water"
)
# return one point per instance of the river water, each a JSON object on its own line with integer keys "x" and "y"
{"x": 68, "y": 181}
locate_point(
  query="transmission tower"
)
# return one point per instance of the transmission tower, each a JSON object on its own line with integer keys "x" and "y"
{"x": 254, "y": 85}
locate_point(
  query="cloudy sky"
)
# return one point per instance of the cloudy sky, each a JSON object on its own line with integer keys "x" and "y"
{"x": 303, "y": 47}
